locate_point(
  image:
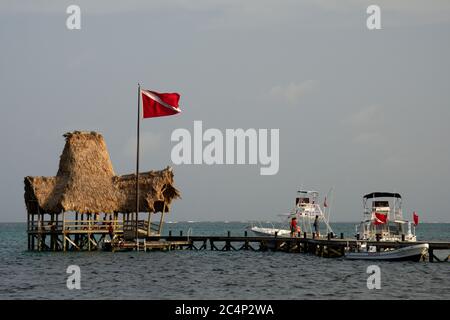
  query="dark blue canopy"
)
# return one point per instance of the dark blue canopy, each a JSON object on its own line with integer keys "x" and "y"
{"x": 382, "y": 194}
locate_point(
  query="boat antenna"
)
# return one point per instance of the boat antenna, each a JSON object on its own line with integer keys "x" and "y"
{"x": 328, "y": 210}
{"x": 395, "y": 207}
{"x": 329, "y": 207}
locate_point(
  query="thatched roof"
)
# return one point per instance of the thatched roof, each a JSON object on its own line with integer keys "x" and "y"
{"x": 86, "y": 183}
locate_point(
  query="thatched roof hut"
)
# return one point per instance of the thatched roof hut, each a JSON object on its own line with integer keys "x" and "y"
{"x": 86, "y": 183}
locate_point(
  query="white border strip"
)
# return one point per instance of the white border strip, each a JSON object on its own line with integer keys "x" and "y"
{"x": 153, "y": 96}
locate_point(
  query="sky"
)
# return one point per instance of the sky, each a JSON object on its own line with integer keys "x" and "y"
{"x": 358, "y": 110}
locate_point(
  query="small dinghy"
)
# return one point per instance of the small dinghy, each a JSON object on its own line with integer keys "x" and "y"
{"x": 410, "y": 253}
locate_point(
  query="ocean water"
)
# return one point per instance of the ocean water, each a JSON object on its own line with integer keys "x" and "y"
{"x": 214, "y": 275}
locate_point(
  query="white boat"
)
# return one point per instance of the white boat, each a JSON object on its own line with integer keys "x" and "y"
{"x": 305, "y": 211}
{"x": 414, "y": 252}
{"x": 261, "y": 231}
{"x": 383, "y": 221}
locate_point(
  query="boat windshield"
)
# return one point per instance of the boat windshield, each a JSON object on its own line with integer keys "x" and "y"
{"x": 380, "y": 204}
{"x": 301, "y": 201}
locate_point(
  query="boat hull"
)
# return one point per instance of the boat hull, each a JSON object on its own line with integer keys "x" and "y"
{"x": 270, "y": 232}
{"x": 409, "y": 253}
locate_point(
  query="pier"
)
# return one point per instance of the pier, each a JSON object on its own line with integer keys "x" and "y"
{"x": 327, "y": 247}
{"x": 87, "y": 207}
{"x": 86, "y": 235}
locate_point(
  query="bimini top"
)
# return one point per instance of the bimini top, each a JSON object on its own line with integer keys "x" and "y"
{"x": 382, "y": 194}
{"x": 307, "y": 191}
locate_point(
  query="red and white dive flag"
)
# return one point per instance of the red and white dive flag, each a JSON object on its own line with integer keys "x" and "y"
{"x": 415, "y": 218}
{"x": 156, "y": 104}
{"x": 380, "y": 218}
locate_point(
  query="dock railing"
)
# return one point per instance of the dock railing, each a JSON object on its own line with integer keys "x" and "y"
{"x": 45, "y": 226}
{"x": 130, "y": 225}
{"x": 100, "y": 226}
{"x": 93, "y": 225}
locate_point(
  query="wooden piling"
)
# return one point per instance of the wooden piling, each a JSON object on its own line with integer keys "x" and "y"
{"x": 204, "y": 245}
{"x": 32, "y": 229}
{"x": 227, "y": 242}
{"x": 28, "y": 230}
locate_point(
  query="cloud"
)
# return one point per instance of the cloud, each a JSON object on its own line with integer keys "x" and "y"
{"x": 366, "y": 125}
{"x": 368, "y": 138}
{"x": 294, "y": 92}
{"x": 367, "y": 116}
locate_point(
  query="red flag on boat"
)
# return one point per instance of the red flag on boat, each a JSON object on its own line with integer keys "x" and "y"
{"x": 156, "y": 104}
{"x": 325, "y": 204}
{"x": 415, "y": 218}
{"x": 380, "y": 218}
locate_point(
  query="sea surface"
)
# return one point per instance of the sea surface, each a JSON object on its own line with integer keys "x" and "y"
{"x": 214, "y": 275}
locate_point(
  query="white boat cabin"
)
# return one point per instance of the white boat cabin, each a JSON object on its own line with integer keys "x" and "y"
{"x": 383, "y": 219}
{"x": 307, "y": 207}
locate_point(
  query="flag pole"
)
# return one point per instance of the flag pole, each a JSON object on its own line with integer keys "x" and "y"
{"x": 137, "y": 164}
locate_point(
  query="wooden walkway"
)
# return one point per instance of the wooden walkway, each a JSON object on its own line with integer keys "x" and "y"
{"x": 147, "y": 245}
{"x": 325, "y": 247}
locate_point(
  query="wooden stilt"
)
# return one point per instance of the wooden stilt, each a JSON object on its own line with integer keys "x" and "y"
{"x": 431, "y": 255}
{"x": 64, "y": 232}
{"x": 39, "y": 230}
{"x": 32, "y": 229}
{"x": 77, "y": 237}
{"x": 42, "y": 232}
{"x": 162, "y": 218}
{"x": 52, "y": 221}
{"x": 71, "y": 242}
{"x": 149, "y": 224}
{"x": 28, "y": 231}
